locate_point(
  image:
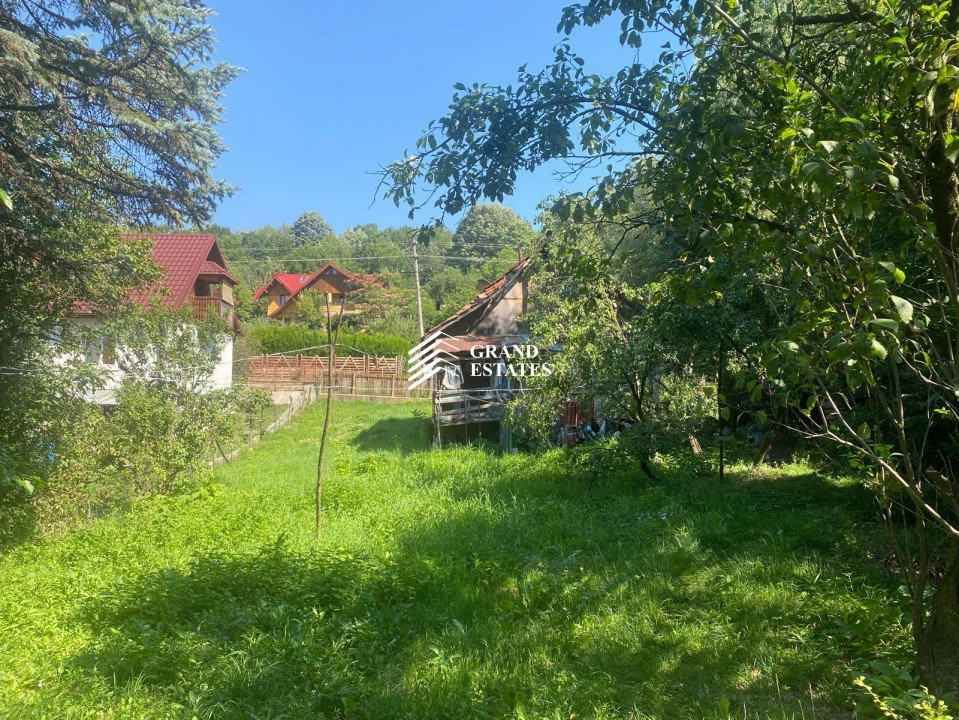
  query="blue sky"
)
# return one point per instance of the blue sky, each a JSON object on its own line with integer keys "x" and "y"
{"x": 334, "y": 89}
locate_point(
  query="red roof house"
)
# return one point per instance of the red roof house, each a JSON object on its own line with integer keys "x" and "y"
{"x": 194, "y": 272}
{"x": 283, "y": 288}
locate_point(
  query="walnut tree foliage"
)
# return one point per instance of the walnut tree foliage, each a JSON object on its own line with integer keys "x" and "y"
{"x": 805, "y": 153}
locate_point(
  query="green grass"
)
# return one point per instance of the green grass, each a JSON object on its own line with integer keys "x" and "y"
{"x": 241, "y": 438}
{"x": 451, "y": 584}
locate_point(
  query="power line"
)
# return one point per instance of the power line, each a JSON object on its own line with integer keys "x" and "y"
{"x": 368, "y": 257}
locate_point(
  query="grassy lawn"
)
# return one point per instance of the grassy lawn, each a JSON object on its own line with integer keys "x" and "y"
{"x": 456, "y": 583}
{"x": 264, "y": 421}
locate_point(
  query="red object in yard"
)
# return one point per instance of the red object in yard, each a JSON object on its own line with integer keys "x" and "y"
{"x": 570, "y": 415}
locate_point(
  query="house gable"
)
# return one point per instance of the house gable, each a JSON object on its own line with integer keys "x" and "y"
{"x": 494, "y": 312}
{"x": 184, "y": 257}
{"x": 328, "y": 279}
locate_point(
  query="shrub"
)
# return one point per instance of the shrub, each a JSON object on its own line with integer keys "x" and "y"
{"x": 273, "y": 338}
{"x": 895, "y": 693}
{"x": 156, "y": 439}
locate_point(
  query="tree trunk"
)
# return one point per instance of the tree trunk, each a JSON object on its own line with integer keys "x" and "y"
{"x": 939, "y": 649}
{"x": 777, "y": 449}
{"x": 331, "y": 338}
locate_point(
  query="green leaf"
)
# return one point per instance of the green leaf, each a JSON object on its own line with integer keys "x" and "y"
{"x": 903, "y": 308}
{"x": 952, "y": 147}
{"x": 898, "y": 275}
{"x": 884, "y": 323}
{"x": 878, "y": 349}
{"x": 788, "y": 133}
{"x": 5, "y": 200}
{"x": 829, "y": 145}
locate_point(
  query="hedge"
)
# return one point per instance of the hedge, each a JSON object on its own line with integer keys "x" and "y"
{"x": 270, "y": 339}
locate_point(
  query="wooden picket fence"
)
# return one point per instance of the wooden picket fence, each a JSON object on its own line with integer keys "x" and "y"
{"x": 362, "y": 376}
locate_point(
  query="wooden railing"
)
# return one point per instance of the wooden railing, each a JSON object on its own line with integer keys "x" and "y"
{"x": 206, "y": 306}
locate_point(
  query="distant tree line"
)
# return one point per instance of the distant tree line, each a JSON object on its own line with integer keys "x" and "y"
{"x": 484, "y": 245}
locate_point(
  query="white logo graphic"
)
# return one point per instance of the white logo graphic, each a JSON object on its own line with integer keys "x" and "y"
{"x": 431, "y": 356}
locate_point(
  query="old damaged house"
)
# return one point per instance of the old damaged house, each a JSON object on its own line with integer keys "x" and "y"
{"x": 196, "y": 276}
{"x": 283, "y": 289}
{"x": 473, "y": 389}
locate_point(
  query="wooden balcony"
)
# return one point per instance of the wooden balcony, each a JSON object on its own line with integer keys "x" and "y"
{"x": 207, "y": 306}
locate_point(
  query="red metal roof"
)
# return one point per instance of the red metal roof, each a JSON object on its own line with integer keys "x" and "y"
{"x": 295, "y": 282}
{"x": 183, "y": 256}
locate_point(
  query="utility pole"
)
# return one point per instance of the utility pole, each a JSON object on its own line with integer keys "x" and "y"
{"x": 416, "y": 272}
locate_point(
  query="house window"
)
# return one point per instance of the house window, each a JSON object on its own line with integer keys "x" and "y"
{"x": 109, "y": 356}
{"x": 102, "y": 350}
{"x": 91, "y": 353}
{"x": 283, "y": 299}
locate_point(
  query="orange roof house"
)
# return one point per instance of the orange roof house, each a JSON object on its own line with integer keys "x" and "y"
{"x": 283, "y": 288}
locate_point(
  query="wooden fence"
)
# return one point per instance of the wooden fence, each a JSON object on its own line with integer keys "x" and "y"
{"x": 362, "y": 376}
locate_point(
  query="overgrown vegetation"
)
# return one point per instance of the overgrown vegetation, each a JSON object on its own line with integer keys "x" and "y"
{"x": 455, "y": 583}
{"x": 799, "y": 162}
{"x": 154, "y": 436}
{"x": 107, "y": 112}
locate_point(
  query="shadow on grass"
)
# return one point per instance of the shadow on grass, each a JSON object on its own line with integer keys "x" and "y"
{"x": 404, "y": 435}
{"x": 17, "y": 524}
{"x": 537, "y": 593}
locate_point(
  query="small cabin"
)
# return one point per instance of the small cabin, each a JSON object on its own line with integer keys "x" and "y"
{"x": 470, "y": 393}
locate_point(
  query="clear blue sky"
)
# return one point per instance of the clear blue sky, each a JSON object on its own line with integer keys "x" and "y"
{"x": 334, "y": 89}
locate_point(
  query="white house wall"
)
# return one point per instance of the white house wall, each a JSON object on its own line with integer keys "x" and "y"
{"x": 222, "y": 377}
{"x": 112, "y": 375}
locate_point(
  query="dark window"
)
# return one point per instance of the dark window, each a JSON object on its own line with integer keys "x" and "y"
{"x": 109, "y": 351}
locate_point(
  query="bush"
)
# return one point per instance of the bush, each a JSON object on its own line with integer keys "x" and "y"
{"x": 271, "y": 339}
{"x": 153, "y": 442}
{"x": 895, "y": 693}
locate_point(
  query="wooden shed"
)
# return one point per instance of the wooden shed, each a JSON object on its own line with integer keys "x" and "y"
{"x": 466, "y": 393}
